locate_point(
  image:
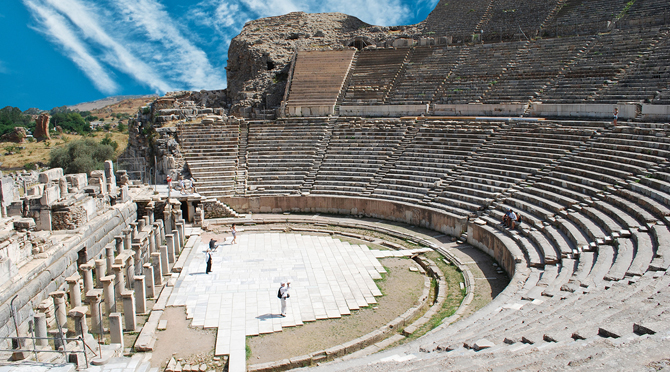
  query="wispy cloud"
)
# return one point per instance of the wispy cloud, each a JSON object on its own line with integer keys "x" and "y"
{"x": 59, "y": 30}
{"x": 136, "y": 38}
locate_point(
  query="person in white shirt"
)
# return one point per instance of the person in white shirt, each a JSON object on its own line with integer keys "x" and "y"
{"x": 283, "y": 292}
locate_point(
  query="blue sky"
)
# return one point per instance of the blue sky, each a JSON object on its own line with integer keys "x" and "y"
{"x": 64, "y": 52}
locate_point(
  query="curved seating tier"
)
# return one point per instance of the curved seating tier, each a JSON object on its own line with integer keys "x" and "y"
{"x": 373, "y": 75}
{"x": 281, "y": 154}
{"x": 210, "y": 152}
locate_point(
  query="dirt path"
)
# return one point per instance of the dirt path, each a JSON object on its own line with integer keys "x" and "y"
{"x": 195, "y": 345}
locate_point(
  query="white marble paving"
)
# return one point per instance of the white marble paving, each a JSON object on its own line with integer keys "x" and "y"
{"x": 329, "y": 278}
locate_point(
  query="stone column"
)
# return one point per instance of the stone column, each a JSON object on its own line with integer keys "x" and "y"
{"x": 182, "y": 237}
{"x": 41, "y": 329}
{"x": 119, "y": 280}
{"x": 152, "y": 240}
{"x": 130, "y": 263}
{"x": 108, "y": 293}
{"x": 150, "y": 212}
{"x": 75, "y": 290}
{"x": 140, "y": 225}
{"x": 149, "y": 280}
{"x": 130, "y": 318}
{"x": 177, "y": 246}
{"x": 60, "y": 308}
{"x": 116, "y": 329}
{"x": 140, "y": 295}
{"x": 170, "y": 247}
{"x": 62, "y": 185}
{"x": 109, "y": 250}
{"x": 157, "y": 235}
{"x": 146, "y": 221}
{"x": 127, "y": 239}
{"x": 79, "y": 316}
{"x": 167, "y": 219}
{"x": 100, "y": 271}
{"x": 88, "y": 277}
{"x": 157, "y": 265}
{"x": 165, "y": 266}
{"x": 133, "y": 231}
{"x": 137, "y": 250}
{"x": 161, "y": 228}
{"x": 93, "y": 298}
{"x": 120, "y": 243}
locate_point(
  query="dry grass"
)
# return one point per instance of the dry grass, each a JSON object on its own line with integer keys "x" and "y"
{"x": 38, "y": 152}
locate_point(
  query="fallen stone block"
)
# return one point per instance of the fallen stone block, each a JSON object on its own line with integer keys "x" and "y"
{"x": 482, "y": 344}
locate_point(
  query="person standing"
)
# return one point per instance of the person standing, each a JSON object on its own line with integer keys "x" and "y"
{"x": 284, "y": 295}
{"x": 209, "y": 262}
{"x": 233, "y": 231}
{"x": 616, "y": 116}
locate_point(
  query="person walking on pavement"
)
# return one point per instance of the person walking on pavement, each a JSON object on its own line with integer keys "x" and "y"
{"x": 284, "y": 295}
{"x": 233, "y": 231}
{"x": 208, "y": 255}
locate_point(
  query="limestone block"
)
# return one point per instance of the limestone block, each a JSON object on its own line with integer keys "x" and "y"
{"x": 25, "y": 224}
{"x": 77, "y": 181}
{"x": 50, "y": 195}
{"x": 50, "y": 175}
{"x": 35, "y": 190}
{"x": 8, "y": 190}
{"x": 43, "y": 222}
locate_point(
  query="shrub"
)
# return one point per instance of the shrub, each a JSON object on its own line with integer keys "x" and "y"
{"x": 107, "y": 140}
{"x": 81, "y": 156}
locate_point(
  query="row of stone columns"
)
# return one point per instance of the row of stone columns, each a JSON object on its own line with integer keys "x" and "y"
{"x": 121, "y": 276}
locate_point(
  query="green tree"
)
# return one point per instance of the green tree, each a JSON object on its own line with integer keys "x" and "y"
{"x": 81, "y": 156}
{"x": 11, "y": 117}
{"x": 107, "y": 140}
{"x": 70, "y": 122}
{"x": 121, "y": 127}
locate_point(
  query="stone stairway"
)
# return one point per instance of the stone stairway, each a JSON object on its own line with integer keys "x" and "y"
{"x": 410, "y": 133}
{"x": 210, "y": 151}
{"x": 241, "y": 173}
{"x": 318, "y": 158}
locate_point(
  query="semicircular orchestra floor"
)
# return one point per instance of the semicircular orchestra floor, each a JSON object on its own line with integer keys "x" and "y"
{"x": 329, "y": 278}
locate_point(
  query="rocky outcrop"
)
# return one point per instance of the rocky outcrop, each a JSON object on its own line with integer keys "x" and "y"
{"x": 42, "y": 127}
{"x": 259, "y": 57}
{"x": 17, "y": 135}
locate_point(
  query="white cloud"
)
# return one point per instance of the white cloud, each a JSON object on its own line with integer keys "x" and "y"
{"x": 58, "y": 29}
{"x": 188, "y": 63}
{"x": 113, "y": 51}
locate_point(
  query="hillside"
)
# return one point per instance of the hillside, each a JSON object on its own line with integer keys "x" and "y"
{"x": 15, "y": 156}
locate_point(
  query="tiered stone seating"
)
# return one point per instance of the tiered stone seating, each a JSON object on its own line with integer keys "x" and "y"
{"x": 357, "y": 151}
{"x": 644, "y": 80}
{"x": 510, "y": 17}
{"x": 463, "y": 19}
{"x": 210, "y": 151}
{"x": 281, "y": 153}
{"x": 482, "y": 67}
{"x": 318, "y": 77}
{"x": 534, "y": 68}
{"x": 435, "y": 151}
{"x": 578, "y": 17}
{"x": 375, "y": 71}
{"x": 591, "y": 71}
{"x": 646, "y": 13}
{"x": 426, "y": 69}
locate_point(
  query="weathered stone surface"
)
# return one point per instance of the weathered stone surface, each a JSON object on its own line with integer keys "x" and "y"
{"x": 17, "y": 135}
{"x": 50, "y": 175}
{"x": 42, "y": 127}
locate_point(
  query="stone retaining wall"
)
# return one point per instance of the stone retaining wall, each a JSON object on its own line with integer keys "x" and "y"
{"x": 503, "y": 249}
{"x": 61, "y": 261}
{"x": 394, "y": 211}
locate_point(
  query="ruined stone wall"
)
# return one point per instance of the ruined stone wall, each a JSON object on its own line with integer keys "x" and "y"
{"x": 73, "y": 218}
{"x": 59, "y": 262}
